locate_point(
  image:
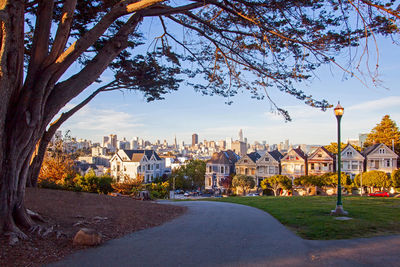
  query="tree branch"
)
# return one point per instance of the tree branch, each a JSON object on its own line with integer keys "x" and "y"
{"x": 41, "y": 37}
{"x": 63, "y": 31}
{"x": 66, "y": 90}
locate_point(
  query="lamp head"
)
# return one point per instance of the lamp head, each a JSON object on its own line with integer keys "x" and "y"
{"x": 339, "y": 110}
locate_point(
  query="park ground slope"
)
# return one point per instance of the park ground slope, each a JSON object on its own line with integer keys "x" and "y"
{"x": 67, "y": 212}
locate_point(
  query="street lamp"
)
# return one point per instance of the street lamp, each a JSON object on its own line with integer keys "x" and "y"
{"x": 339, "y": 206}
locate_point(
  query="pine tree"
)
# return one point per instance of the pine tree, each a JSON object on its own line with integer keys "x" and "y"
{"x": 384, "y": 132}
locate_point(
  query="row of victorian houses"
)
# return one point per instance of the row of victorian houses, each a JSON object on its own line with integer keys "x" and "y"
{"x": 296, "y": 163}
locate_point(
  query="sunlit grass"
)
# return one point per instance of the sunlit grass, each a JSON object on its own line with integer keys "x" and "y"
{"x": 309, "y": 217}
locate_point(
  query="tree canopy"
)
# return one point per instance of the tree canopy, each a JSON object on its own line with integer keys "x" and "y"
{"x": 217, "y": 47}
{"x": 385, "y": 132}
{"x": 277, "y": 182}
{"x": 243, "y": 183}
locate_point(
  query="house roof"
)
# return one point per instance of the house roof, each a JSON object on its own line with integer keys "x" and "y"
{"x": 300, "y": 153}
{"x": 137, "y": 155}
{"x": 254, "y": 156}
{"x": 349, "y": 145}
{"x": 224, "y": 157}
{"x": 276, "y": 154}
{"x": 369, "y": 149}
{"x": 323, "y": 149}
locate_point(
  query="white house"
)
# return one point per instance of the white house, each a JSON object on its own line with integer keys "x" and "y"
{"x": 352, "y": 161}
{"x": 380, "y": 157}
{"x": 129, "y": 164}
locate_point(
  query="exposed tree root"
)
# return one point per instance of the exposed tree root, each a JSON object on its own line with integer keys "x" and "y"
{"x": 35, "y": 216}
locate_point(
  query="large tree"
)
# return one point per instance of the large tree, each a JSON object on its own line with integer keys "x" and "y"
{"x": 230, "y": 44}
{"x": 385, "y": 132}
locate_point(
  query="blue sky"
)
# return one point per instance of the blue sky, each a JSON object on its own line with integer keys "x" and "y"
{"x": 185, "y": 112}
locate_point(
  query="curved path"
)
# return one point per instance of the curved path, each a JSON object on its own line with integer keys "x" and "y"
{"x": 224, "y": 234}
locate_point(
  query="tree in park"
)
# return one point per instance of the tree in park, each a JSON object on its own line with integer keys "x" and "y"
{"x": 277, "y": 42}
{"x": 276, "y": 182}
{"x": 385, "y": 132}
{"x": 189, "y": 176}
{"x": 308, "y": 181}
{"x": 396, "y": 178}
{"x": 243, "y": 183}
{"x": 373, "y": 179}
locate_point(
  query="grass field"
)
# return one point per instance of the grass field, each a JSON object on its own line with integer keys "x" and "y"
{"x": 309, "y": 217}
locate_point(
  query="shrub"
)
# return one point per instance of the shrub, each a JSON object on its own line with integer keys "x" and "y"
{"x": 93, "y": 184}
{"x": 396, "y": 178}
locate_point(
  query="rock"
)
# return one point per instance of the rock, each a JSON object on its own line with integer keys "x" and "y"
{"x": 87, "y": 237}
{"x": 13, "y": 239}
{"x": 144, "y": 195}
{"x": 80, "y": 223}
{"x": 97, "y": 219}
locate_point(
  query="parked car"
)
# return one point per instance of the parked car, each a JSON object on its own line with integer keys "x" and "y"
{"x": 379, "y": 194}
{"x": 253, "y": 195}
{"x": 186, "y": 194}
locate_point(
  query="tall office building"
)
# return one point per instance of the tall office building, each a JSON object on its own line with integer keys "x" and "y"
{"x": 362, "y": 137}
{"x": 195, "y": 139}
{"x": 228, "y": 143}
{"x": 241, "y": 135}
{"x": 113, "y": 140}
{"x": 106, "y": 140}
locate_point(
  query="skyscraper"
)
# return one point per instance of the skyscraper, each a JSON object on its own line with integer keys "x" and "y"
{"x": 241, "y": 135}
{"x": 195, "y": 139}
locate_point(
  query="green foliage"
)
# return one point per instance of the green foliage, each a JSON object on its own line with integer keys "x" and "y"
{"x": 94, "y": 184}
{"x": 158, "y": 190}
{"x": 396, "y": 178}
{"x": 190, "y": 176}
{"x": 331, "y": 179}
{"x": 373, "y": 179}
{"x": 275, "y": 182}
{"x": 384, "y": 132}
{"x": 243, "y": 182}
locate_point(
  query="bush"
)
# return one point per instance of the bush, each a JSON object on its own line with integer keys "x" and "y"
{"x": 396, "y": 178}
{"x": 93, "y": 184}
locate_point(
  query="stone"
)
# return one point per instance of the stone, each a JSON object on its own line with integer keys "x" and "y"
{"x": 87, "y": 237}
{"x": 144, "y": 195}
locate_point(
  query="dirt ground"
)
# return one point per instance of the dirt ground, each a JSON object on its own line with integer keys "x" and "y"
{"x": 67, "y": 212}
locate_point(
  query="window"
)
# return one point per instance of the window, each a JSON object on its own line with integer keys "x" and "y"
{"x": 209, "y": 181}
{"x": 381, "y": 151}
{"x": 148, "y": 167}
{"x": 349, "y": 153}
{"x": 266, "y": 159}
{"x": 222, "y": 169}
{"x": 319, "y": 155}
{"x": 245, "y": 161}
{"x": 124, "y": 168}
{"x": 157, "y": 166}
{"x": 354, "y": 165}
{"x": 246, "y": 171}
{"x": 209, "y": 169}
{"x": 312, "y": 166}
{"x": 253, "y": 171}
{"x": 272, "y": 170}
{"x": 387, "y": 162}
{"x": 118, "y": 168}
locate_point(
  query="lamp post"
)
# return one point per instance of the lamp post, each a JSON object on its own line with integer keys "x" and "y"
{"x": 339, "y": 206}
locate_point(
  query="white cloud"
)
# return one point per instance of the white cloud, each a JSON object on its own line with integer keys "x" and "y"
{"x": 90, "y": 120}
{"x": 379, "y": 104}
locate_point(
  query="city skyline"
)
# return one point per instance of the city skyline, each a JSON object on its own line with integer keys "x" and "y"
{"x": 186, "y": 112}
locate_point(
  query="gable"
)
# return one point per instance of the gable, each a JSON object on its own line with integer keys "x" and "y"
{"x": 292, "y": 155}
{"x": 245, "y": 160}
{"x": 349, "y": 152}
{"x": 267, "y": 159}
{"x": 320, "y": 154}
{"x": 382, "y": 151}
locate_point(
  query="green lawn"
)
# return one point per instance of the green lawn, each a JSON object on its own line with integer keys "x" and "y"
{"x": 309, "y": 217}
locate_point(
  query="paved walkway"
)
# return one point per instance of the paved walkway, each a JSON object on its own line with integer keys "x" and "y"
{"x": 224, "y": 234}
